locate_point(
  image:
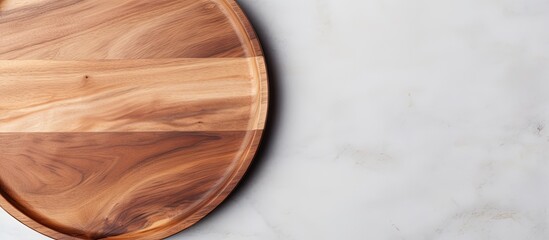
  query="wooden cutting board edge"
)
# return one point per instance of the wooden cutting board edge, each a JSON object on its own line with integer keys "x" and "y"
{"x": 204, "y": 209}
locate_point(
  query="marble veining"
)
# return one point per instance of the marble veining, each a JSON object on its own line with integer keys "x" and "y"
{"x": 395, "y": 120}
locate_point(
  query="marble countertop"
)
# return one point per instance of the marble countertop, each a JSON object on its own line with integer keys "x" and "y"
{"x": 395, "y": 119}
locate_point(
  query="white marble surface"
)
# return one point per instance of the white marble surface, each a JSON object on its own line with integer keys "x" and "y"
{"x": 395, "y": 119}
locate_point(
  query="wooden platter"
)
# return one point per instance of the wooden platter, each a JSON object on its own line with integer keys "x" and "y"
{"x": 126, "y": 119}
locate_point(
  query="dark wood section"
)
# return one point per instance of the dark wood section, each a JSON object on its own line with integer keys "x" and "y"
{"x": 97, "y": 185}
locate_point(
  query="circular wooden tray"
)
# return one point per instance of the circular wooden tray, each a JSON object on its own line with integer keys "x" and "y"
{"x": 126, "y": 119}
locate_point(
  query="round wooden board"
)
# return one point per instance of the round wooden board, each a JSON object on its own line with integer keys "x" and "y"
{"x": 126, "y": 119}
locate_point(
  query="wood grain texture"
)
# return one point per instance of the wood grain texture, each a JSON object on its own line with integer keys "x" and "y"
{"x": 128, "y": 95}
{"x": 128, "y": 29}
{"x": 128, "y": 119}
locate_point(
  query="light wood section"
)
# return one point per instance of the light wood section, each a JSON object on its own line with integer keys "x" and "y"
{"x": 130, "y": 95}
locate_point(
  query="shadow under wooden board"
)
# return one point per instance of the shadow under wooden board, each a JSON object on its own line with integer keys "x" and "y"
{"x": 127, "y": 119}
